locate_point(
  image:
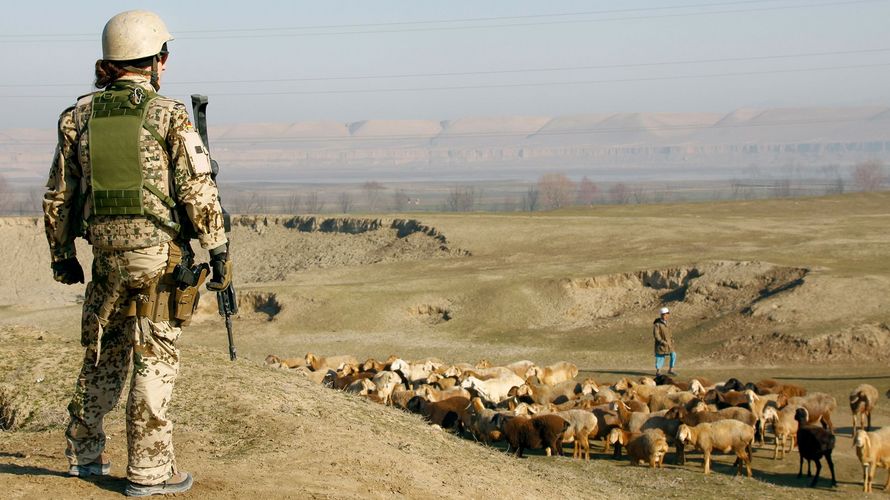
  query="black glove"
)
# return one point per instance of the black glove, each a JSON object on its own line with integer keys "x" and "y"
{"x": 68, "y": 271}
{"x": 221, "y": 265}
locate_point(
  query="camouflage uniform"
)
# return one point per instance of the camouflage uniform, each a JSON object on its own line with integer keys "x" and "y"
{"x": 129, "y": 253}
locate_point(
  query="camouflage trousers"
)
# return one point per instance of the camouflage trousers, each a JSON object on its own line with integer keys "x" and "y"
{"x": 112, "y": 339}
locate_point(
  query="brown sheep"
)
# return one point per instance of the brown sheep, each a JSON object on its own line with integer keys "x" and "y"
{"x": 450, "y": 413}
{"x": 732, "y": 398}
{"x": 542, "y": 431}
{"x": 285, "y": 362}
{"x": 819, "y": 407}
{"x": 862, "y": 401}
{"x": 553, "y": 374}
{"x": 647, "y": 446}
{"x": 696, "y": 417}
{"x": 441, "y": 381}
{"x": 544, "y": 394}
{"x": 341, "y": 382}
{"x": 372, "y": 365}
{"x": 318, "y": 363}
{"x": 432, "y": 394}
{"x": 483, "y": 423}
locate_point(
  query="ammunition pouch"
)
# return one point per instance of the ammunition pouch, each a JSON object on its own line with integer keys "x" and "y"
{"x": 173, "y": 295}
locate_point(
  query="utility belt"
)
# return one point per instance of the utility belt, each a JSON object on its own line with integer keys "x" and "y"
{"x": 173, "y": 295}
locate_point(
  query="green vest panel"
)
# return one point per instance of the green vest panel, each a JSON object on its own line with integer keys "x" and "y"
{"x": 115, "y": 129}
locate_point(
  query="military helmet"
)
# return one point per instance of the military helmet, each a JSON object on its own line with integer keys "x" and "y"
{"x": 134, "y": 34}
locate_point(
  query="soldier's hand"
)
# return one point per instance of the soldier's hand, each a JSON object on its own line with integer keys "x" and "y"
{"x": 68, "y": 271}
{"x": 221, "y": 265}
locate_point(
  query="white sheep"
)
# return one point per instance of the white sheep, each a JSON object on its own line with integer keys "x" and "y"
{"x": 582, "y": 425}
{"x": 723, "y": 436}
{"x": 873, "y": 450}
{"x": 386, "y": 383}
{"x": 413, "y": 372}
{"x": 784, "y": 427}
{"x": 492, "y": 390}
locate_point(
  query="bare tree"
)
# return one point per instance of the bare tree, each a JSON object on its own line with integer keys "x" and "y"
{"x": 462, "y": 199}
{"x": 869, "y": 175}
{"x": 556, "y": 190}
{"x": 586, "y": 192}
{"x": 292, "y": 203}
{"x": 345, "y": 202}
{"x": 256, "y": 203}
{"x": 530, "y": 199}
{"x": 400, "y": 200}
{"x": 314, "y": 204}
{"x": 5, "y": 195}
{"x": 638, "y": 195}
{"x": 782, "y": 188}
{"x": 509, "y": 204}
{"x": 619, "y": 194}
{"x": 373, "y": 191}
{"x": 834, "y": 181}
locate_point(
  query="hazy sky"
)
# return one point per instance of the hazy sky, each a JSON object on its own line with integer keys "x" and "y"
{"x": 838, "y": 53}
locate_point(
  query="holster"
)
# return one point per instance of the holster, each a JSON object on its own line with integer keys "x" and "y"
{"x": 164, "y": 299}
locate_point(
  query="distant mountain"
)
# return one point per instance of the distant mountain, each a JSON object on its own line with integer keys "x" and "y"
{"x": 659, "y": 144}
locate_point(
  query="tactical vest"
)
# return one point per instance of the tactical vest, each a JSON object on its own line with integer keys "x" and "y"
{"x": 115, "y": 130}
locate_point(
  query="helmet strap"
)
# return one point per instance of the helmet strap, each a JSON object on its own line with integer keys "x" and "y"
{"x": 153, "y": 74}
{"x": 155, "y": 77}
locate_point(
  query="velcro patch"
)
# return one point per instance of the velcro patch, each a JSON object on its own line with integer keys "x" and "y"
{"x": 199, "y": 158}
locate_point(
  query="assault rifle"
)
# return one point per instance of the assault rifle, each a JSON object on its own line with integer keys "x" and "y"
{"x": 225, "y": 299}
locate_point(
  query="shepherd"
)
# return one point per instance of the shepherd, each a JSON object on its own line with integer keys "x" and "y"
{"x": 664, "y": 342}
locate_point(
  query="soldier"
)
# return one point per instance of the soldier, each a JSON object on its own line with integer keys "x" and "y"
{"x": 128, "y": 171}
{"x": 664, "y": 342}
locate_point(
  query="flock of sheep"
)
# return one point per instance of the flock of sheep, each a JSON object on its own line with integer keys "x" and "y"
{"x": 544, "y": 407}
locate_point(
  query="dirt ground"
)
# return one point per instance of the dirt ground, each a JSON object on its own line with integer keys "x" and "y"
{"x": 794, "y": 290}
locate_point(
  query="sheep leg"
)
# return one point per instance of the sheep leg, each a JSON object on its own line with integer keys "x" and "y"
{"x": 831, "y": 467}
{"x": 865, "y": 478}
{"x": 707, "y": 462}
{"x": 826, "y": 422}
{"x": 800, "y": 471}
{"x": 818, "y": 470}
{"x": 886, "y": 483}
{"x": 681, "y": 453}
{"x": 776, "y": 449}
{"x": 869, "y": 420}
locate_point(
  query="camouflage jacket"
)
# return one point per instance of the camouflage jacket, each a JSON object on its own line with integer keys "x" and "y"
{"x": 67, "y": 204}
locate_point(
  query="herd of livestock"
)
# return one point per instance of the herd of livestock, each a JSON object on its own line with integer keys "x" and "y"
{"x": 545, "y": 407}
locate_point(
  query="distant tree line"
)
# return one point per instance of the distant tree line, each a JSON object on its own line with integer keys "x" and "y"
{"x": 551, "y": 191}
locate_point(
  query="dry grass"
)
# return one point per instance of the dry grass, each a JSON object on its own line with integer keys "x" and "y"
{"x": 248, "y": 430}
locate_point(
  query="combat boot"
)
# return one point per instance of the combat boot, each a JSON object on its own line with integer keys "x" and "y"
{"x": 178, "y": 483}
{"x": 99, "y": 467}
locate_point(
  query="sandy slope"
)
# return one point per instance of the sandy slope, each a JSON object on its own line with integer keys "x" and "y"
{"x": 568, "y": 285}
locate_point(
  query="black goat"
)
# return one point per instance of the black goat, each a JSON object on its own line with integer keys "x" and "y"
{"x": 813, "y": 442}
